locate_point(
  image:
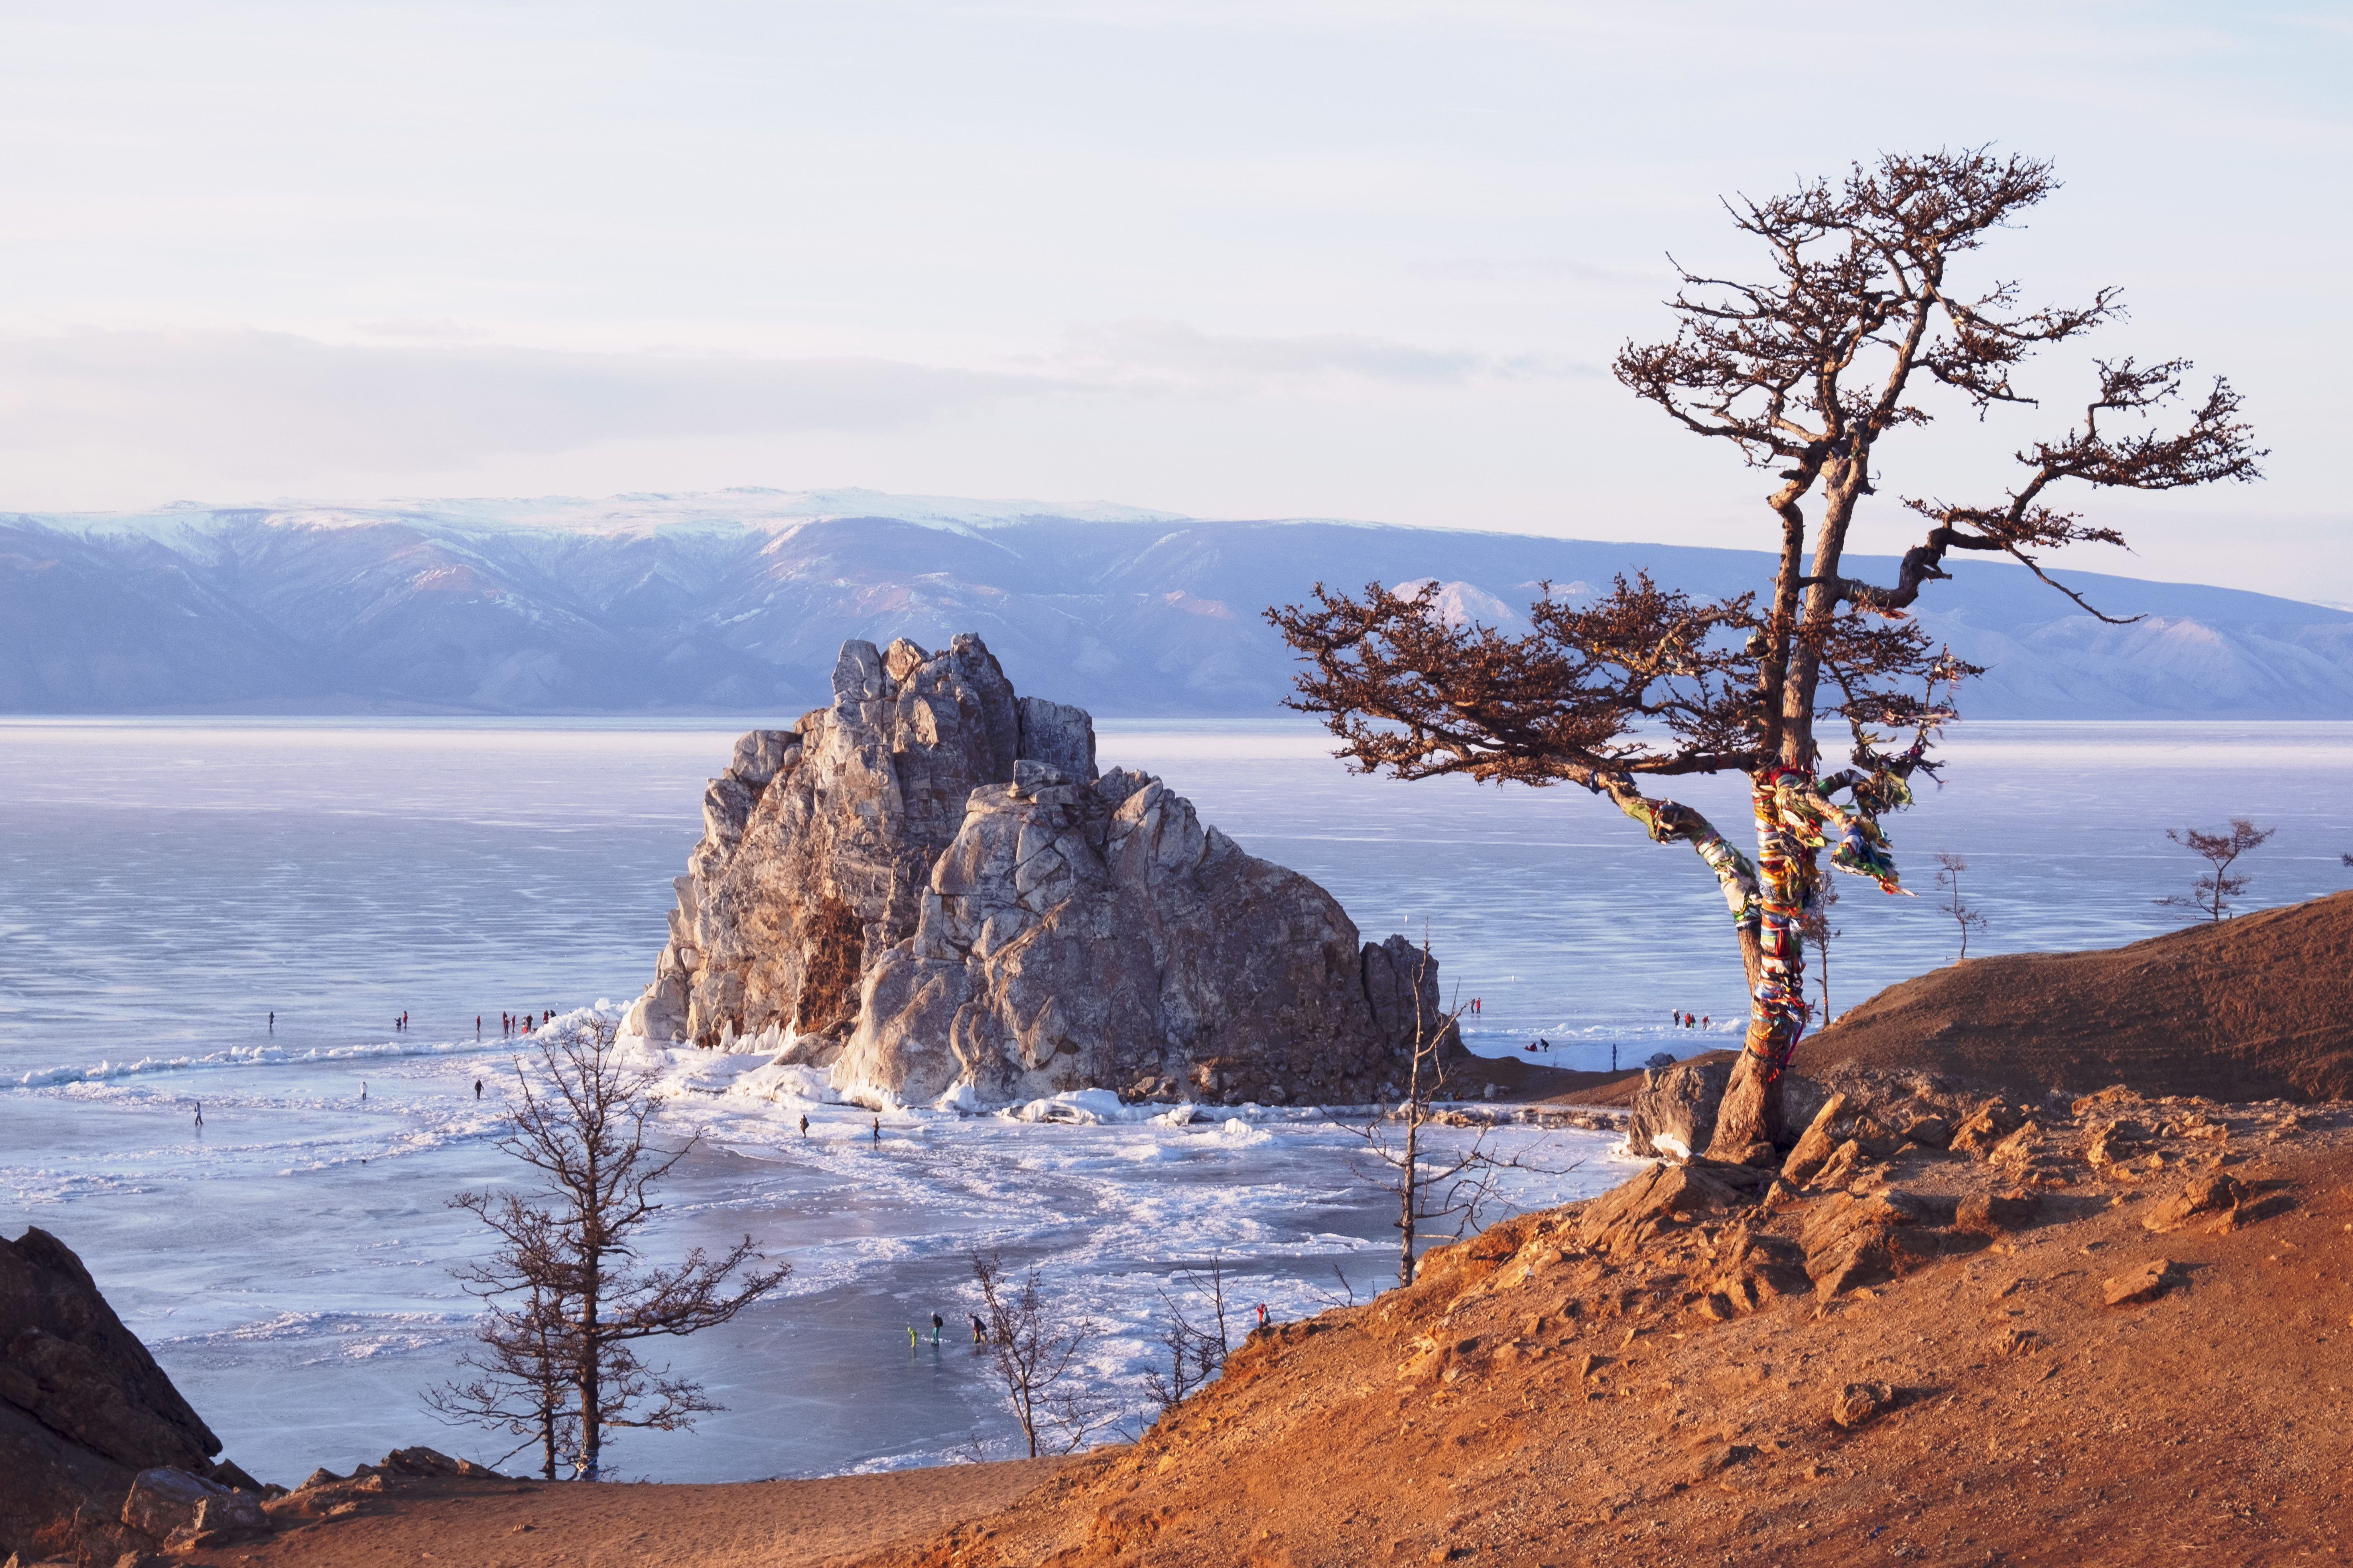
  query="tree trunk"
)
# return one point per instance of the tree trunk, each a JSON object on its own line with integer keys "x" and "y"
{"x": 1749, "y": 1120}
{"x": 591, "y": 1366}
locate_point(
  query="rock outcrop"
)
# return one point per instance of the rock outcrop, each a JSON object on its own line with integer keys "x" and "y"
{"x": 87, "y": 1416}
{"x": 929, "y": 889}
{"x": 1673, "y": 1113}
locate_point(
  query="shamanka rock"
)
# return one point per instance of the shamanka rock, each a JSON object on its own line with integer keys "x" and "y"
{"x": 930, "y": 888}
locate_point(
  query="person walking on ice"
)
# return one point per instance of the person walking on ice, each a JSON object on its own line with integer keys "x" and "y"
{"x": 804, "y": 1123}
{"x": 979, "y": 1330}
{"x": 200, "y": 1116}
{"x": 938, "y": 1323}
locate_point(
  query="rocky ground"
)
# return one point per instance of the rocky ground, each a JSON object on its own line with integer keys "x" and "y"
{"x": 1952, "y": 1330}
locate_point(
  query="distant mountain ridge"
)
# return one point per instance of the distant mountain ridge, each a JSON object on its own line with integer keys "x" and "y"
{"x": 737, "y": 602}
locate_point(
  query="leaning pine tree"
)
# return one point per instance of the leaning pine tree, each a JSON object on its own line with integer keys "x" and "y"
{"x": 1805, "y": 371}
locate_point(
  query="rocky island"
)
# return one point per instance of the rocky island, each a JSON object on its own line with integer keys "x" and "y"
{"x": 930, "y": 889}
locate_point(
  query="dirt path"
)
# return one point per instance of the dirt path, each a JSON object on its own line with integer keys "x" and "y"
{"x": 524, "y": 1524}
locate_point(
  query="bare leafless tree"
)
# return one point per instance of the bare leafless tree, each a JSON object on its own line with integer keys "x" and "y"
{"x": 1435, "y": 1192}
{"x": 1949, "y": 867}
{"x": 1040, "y": 1358}
{"x": 586, "y": 1299}
{"x": 1198, "y": 1339}
{"x": 1818, "y": 931}
{"x": 1805, "y": 370}
{"x": 519, "y": 1375}
{"x": 2211, "y": 895}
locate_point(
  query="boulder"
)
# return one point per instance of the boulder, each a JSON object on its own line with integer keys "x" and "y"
{"x": 2145, "y": 1283}
{"x": 1673, "y": 1112}
{"x": 2115, "y": 1142}
{"x": 1815, "y": 1144}
{"x": 187, "y": 1513}
{"x": 1860, "y": 1402}
{"x": 1842, "y": 1166}
{"x": 1852, "y": 1241}
{"x": 84, "y": 1409}
{"x": 1993, "y": 1122}
{"x": 2216, "y": 1194}
{"x": 929, "y": 887}
{"x": 430, "y": 1462}
{"x": 1989, "y": 1214}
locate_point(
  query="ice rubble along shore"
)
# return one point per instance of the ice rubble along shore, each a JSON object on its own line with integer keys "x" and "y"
{"x": 928, "y": 890}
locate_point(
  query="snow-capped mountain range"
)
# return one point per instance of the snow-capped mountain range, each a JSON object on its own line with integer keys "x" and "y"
{"x": 736, "y": 602}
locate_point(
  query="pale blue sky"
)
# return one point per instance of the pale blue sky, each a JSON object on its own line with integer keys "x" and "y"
{"x": 1272, "y": 258}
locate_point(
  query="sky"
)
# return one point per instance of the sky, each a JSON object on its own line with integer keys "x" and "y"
{"x": 1276, "y": 259}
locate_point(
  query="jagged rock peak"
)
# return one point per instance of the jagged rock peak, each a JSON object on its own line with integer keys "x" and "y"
{"x": 929, "y": 889}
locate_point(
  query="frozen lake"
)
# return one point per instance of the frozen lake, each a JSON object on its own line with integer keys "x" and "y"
{"x": 166, "y": 885}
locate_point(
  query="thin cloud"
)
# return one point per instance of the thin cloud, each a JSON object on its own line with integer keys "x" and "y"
{"x": 1568, "y": 266}
{"x": 1157, "y": 349}
{"x": 427, "y": 331}
{"x": 258, "y": 394}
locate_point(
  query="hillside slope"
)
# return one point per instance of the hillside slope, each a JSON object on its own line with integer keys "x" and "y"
{"x": 2257, "y": 1006}
{"x": 1921, "y": 1364}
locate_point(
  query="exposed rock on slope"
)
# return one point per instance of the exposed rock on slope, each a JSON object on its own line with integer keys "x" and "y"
{"x": 932, "y": 873}
{"x": 85, "y": 1413}
{"x": 2254, "y": 1007}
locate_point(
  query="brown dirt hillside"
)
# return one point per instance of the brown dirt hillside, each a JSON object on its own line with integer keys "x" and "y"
{"x": 2256, "y": 1008}
{"x": 1918, "y": 1361}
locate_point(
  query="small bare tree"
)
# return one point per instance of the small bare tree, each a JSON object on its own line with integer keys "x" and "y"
{"x": 1949, "y": 867}
{"x": 1041, "y": 1362}
{"x": 520, "y": 1372}
{"x": 2211, "y": 895}
{"x": 1431, "y": 1190}
{"x": 587, "y": 1298}
{"x": 1197, "y": 1351}
{"x": 1820, "y": 933}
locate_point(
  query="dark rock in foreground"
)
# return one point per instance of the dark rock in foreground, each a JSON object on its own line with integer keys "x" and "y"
{"x": 89, "y": 1423}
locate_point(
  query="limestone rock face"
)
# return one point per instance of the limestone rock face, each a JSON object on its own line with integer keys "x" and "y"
{"x": 818, "y": 841}
{"x": 928, "y": 885}
{"x": 1093, "y": 933}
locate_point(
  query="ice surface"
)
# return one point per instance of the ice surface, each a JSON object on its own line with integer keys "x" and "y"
{"x": 163, "y": 885}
